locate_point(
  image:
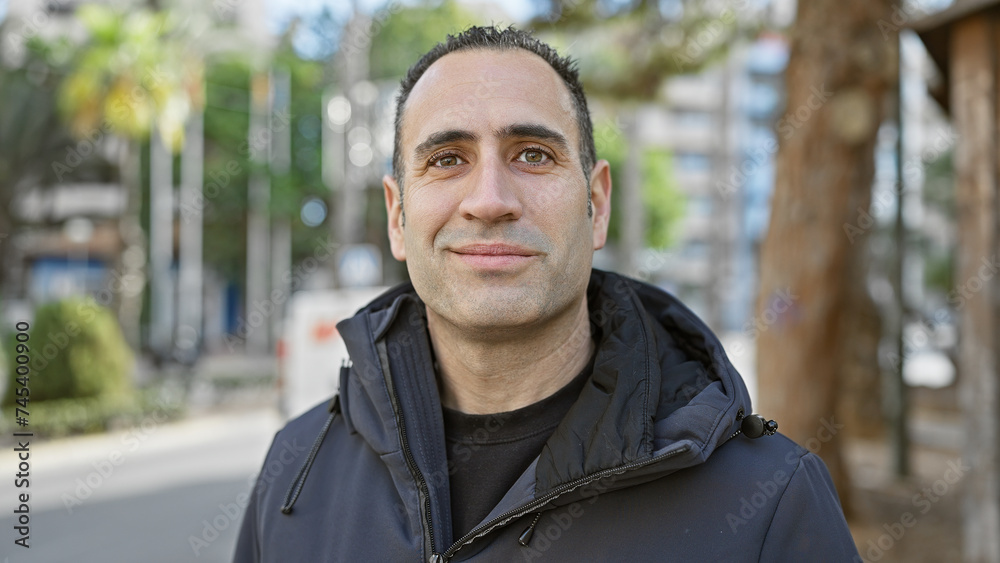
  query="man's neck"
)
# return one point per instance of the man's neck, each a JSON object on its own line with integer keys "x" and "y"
{"x": 485, "y": 374}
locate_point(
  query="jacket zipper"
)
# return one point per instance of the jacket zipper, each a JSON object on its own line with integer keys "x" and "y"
{"x": 425, "y": 493}
{"x": 411, "y": 463}
{"x": 476, "y": 533}
{"x": 545, "y": 499}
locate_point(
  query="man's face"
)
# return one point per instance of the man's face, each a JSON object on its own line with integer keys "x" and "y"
{"x": 497, "y": 233}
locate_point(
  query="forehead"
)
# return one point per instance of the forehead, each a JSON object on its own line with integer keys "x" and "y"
{"x": 487, "y": 89}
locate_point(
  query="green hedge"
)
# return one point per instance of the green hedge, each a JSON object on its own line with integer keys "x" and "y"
{"x": 63, "y": 417}
{"x": 76, "y": 351}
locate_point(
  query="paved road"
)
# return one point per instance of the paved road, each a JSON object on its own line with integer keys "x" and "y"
{"x": 140, "y": 495}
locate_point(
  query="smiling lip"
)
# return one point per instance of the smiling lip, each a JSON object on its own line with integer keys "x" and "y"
{"x": 493, "y": 256}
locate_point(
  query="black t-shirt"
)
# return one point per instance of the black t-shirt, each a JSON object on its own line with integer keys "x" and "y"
{"x": 488, "y": 452}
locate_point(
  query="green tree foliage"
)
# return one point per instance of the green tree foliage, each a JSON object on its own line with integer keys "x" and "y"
{"x": 227, "y": 164}
{"x": 228, "y": 154}
{"x": 303, "y": 179}
{"x": 32, "y": 137}
{"x": 662, "y": 198}
{"x": 664, "y": 201}
{"x": 410, "y": 31}
{"x": 136, "y": 69}
{"x": 78, "y": 351}
{"x": 627, "y": 49}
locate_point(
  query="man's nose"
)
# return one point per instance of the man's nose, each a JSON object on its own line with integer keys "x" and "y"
{"x": 493, "y": 195}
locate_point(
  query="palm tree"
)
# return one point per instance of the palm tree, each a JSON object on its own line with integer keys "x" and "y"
{"x": 136, "y": 73}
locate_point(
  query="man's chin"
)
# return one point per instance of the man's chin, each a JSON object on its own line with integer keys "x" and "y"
{"x": 495, "y": 308}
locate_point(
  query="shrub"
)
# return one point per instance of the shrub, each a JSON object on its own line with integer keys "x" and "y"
{"x": 77, "y": 350}
{"x": 66, "y": 417}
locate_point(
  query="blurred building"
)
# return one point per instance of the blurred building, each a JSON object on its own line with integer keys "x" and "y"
{"x": 720, "y": 126}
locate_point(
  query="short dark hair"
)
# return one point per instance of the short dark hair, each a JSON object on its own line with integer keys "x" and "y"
{"x": 497, "y": 39}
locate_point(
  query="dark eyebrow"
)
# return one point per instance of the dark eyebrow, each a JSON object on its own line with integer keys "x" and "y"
{"x": 515, "y": 131}
{"x": 534, "y": 131}
{"x": 435, "y": 140}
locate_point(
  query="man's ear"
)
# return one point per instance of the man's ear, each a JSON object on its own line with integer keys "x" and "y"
{"x": 394, "y": 210}
{"x": 600, "y": 196}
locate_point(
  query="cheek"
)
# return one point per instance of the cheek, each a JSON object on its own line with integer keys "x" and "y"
{"x": 559, "y": 192}
{"x": 427, "y": 211}
{"x": 560, "y": 211}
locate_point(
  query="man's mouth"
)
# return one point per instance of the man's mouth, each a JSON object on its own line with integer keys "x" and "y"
{"x": 494, "y": 256}
{"x": 494, "y": 249}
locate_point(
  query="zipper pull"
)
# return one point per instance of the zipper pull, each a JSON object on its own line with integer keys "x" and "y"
{"x": 437, "y": 558}
{"x": 525, "y": 537}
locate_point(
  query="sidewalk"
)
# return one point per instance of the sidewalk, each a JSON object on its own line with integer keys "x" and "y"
{"x": 150, "y": 455}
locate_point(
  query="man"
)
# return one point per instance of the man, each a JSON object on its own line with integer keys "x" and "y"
{"x": 512, "y": 403}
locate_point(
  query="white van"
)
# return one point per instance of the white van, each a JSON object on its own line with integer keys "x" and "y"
{"x": 311, "y": 350}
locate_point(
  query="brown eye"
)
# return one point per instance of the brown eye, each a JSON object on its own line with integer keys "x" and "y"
{"x": 449, "y": 160}
{"x": 533, "y": 157}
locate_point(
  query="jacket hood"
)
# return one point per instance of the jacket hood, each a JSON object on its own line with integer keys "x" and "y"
{"x": 662, "y": 396}
{"x": 662, "y": 383}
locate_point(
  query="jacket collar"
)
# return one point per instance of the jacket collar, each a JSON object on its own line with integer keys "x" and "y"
{"x": 661, "y": 382}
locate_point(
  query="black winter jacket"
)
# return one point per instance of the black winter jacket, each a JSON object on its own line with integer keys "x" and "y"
{"x": 647, "y": 465}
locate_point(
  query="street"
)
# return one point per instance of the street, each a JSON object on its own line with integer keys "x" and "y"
{"x": 154, "y": 493}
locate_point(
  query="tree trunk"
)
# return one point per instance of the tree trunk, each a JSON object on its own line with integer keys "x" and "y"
{"x": 860, "y": 380}
{"x": 132, "y": 258}
{"x": 977, "y": 293}
{"x": 840, "y": 70}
